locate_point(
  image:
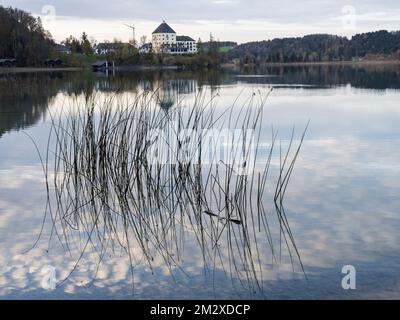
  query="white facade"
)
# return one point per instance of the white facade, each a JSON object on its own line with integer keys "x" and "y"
{"x": 188, "y": 44}
{"x": 165, "y": 40}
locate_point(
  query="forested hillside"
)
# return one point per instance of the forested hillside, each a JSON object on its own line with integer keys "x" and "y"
{"x": 320, "y": 47}
{"x": 22, "y": 37}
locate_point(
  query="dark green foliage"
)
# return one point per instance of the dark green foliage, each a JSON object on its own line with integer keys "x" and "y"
{"x": 318, "y": 48}
{"x": 380, "y": 42}
{"x": 82, "y": 45}
{"x": 74, "y": 43}
{"x": 22, "y": 37}
{"x": 221, "y": 45}
{"x": 198, "y": 61}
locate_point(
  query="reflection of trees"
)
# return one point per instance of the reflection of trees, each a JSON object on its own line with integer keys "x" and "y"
{"x": 25, "y": 97}
{"x": 368, "y": 76}
{"x": 211, "y": 78}
{"x": 24, "y": 100}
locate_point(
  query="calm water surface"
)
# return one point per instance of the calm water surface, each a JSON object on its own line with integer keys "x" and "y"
{"x": 342, "y": 202}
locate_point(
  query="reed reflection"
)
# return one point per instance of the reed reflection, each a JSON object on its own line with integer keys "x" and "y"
{"x": 114, "y": 182}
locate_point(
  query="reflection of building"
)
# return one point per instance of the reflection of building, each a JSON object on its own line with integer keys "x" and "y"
{"x": 165, "y": 40}
{"x": 169, "y": 90}
{"x": 184, "y": 86}
{"x": 146, "y": 85}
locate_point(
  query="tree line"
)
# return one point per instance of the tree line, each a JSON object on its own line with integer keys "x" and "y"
{"x": 22, "y": 37}
{"x": 319, "y": 47}
{"x": 82, "y": 45}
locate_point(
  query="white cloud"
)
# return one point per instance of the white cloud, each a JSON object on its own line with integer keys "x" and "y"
{"x": 224, "y": 2}
{"x": 235, "y": 20}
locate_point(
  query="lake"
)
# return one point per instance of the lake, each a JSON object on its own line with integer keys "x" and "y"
{"x": 340, "y": 206}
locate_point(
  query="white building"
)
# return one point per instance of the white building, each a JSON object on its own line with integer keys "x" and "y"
{"x": 146, "y": 48}
{"x": 186, "y": 43}
{"x": 165, "y": 40}
{"x": 163, "y": 37}
{"x": 63, "y": 49}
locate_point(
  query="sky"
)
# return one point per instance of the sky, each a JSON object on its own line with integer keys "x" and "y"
{"x": 228, "y": 20}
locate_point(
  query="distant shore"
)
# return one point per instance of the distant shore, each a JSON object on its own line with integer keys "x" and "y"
{"x": 145, "y": 67}
{"x": 116, "y": 68}
{"x": 322, "y": 63}
{"x": 225, "y": 65}
{"x": 32, "y": 69}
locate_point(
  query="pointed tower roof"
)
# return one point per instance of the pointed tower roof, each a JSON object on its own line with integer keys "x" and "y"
{"x": 164, "y": 28}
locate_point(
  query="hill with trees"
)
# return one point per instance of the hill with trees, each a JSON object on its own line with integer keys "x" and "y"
{"x": 223, "y": 46}
{"x": 320, "y": 47}
{"x": 22, "y": 37}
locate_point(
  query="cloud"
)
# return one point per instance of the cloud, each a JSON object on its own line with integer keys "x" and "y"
{"x": 236, "y": 20}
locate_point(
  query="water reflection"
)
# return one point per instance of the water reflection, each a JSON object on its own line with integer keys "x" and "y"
{"x": 342, "y": 202}
{"x": 123, "y": 177}
{"x": 25, "y": 97}
{"x": 169, "y": 91}
{"x": 22, "y": 105}
{"x": 320, "y": 76}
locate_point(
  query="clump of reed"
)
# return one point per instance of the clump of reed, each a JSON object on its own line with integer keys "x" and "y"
{"x": 108, "y": 187}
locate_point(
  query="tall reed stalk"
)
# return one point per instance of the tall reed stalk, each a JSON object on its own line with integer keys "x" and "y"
{"x": 104, "y": 187}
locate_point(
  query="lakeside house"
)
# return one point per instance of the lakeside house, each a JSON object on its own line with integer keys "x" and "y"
{"x": 165, "y": 40}
{"x": 146, "y": 48}
{"x": 62, "y": 49}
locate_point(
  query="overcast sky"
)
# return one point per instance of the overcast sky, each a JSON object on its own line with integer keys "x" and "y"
{"x": 236, "y": 20}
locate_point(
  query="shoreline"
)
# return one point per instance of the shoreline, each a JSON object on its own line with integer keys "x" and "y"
{"x": 224, "y": 65}
{"x": 144, "y": 67}
{"x": 321, "y": 63}
{"x": 70, "y": 69}
{"x": 33, "y": 70}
